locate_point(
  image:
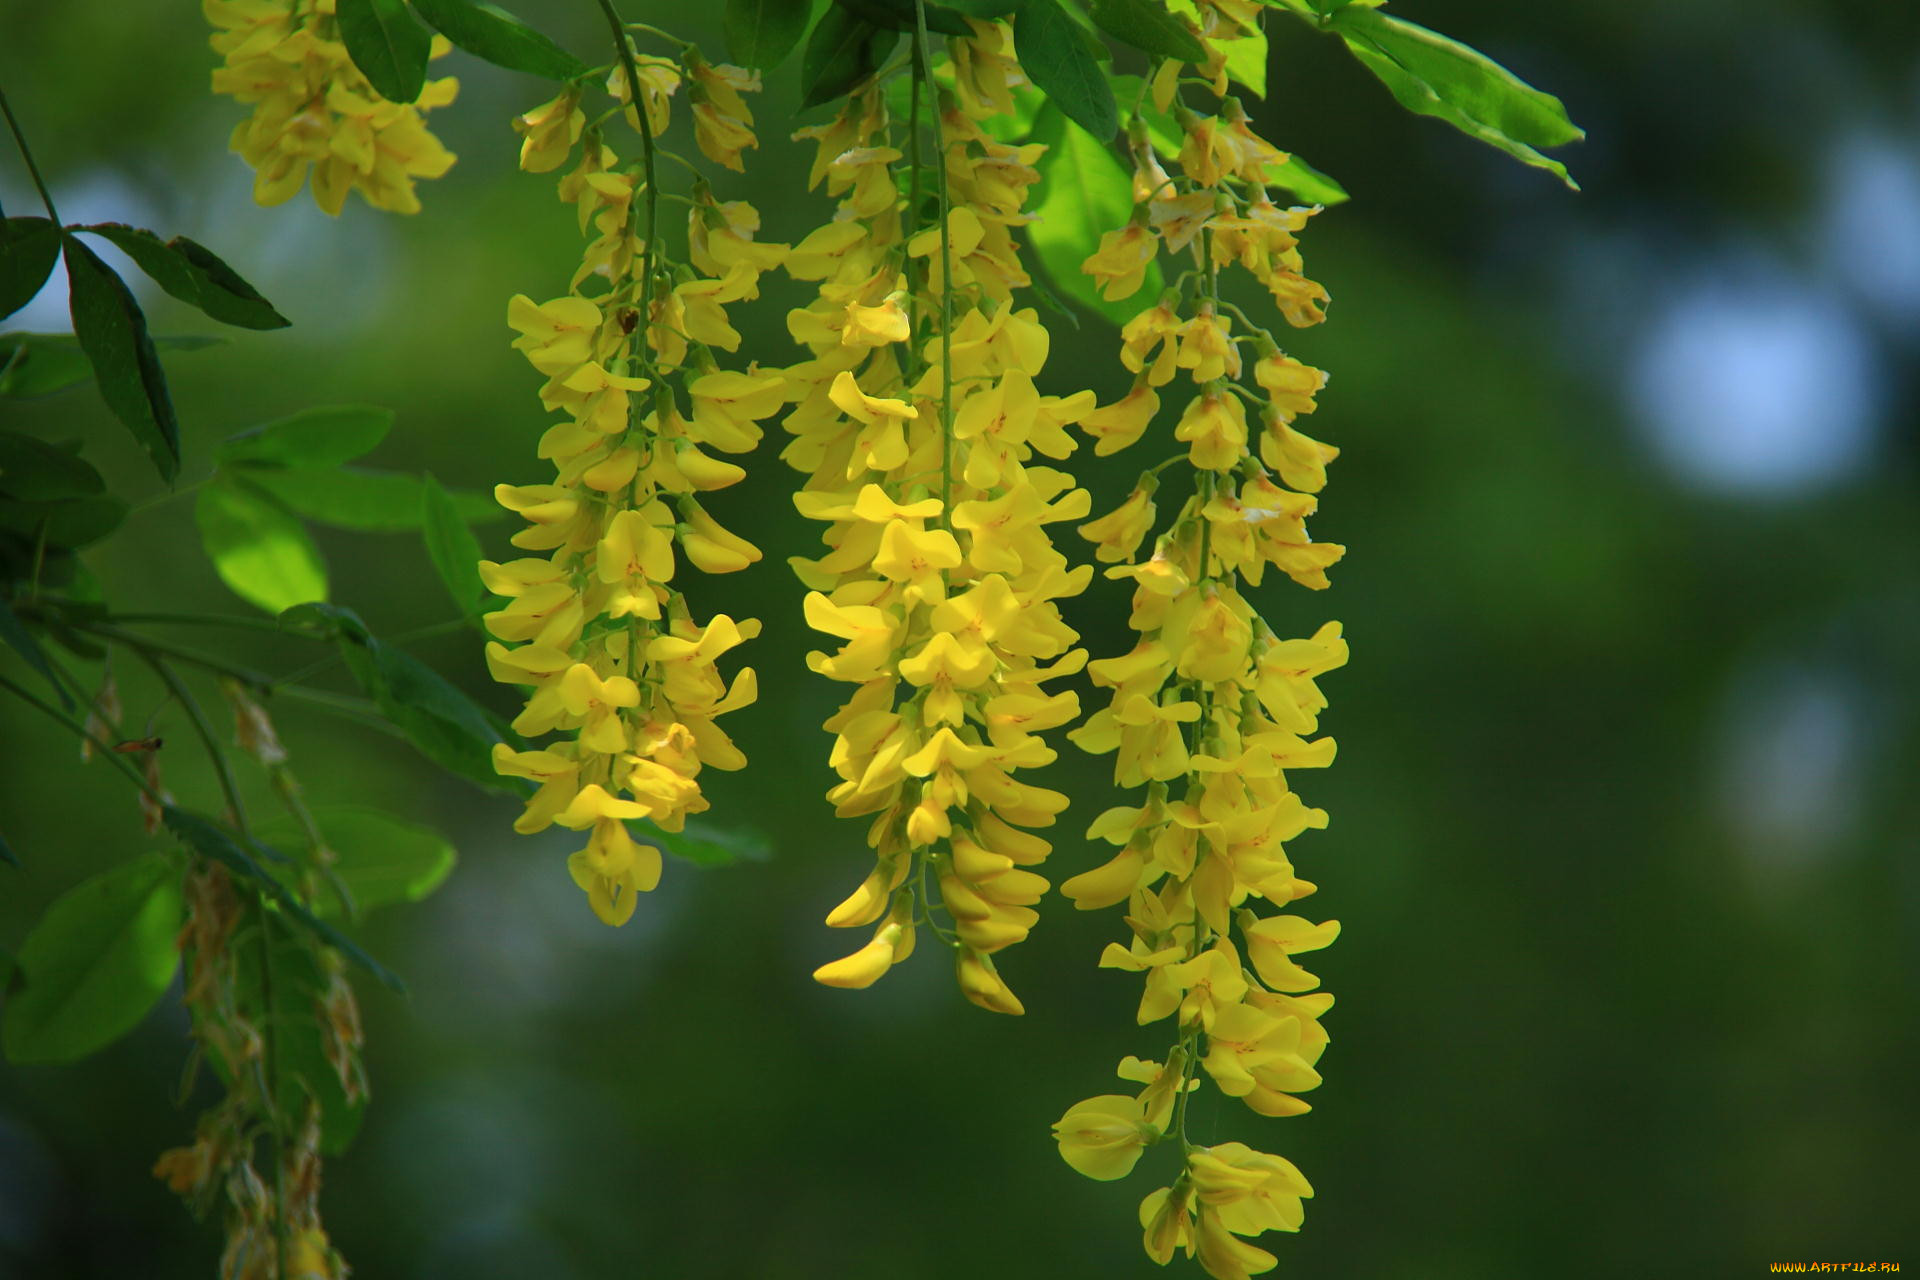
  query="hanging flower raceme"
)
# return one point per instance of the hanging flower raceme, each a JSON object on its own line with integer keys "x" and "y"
{"x": 594, "y": 625}
{"x": 1211, "y": 711}
{"x": 917, "y": 420}
{"x": 314, "y": 114}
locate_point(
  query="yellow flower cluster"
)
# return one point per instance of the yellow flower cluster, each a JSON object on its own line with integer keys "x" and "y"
{"x": 594, "y": 625}
{"x": 1210, "y": 711}
{"x": 313, "y": 112}
{"x": 916, "y": 420}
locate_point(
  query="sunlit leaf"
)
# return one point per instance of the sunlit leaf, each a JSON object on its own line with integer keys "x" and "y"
{"x": 1436, "y": 76}
{"x": 1084, "y": 192}
{"x": 98, "y": 960}
{"x": 258, "y": 550}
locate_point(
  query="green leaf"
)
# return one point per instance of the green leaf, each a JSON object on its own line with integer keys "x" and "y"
{"x": 1306, "y": 182}
{"x": 33, "y": 365}
{"x": 436, "y": 717}
{"x": 388, "y": 46}
{"x": 1294, "y": 174}
{"x": 1432, "y": 75}
{"x": 96, "y": 963}
{"x": 211, "y": 841}
{"x": 1055, "y": 55}
{"x": 259, "y": 551}
{"x": 113, "y": 333}
{"x": 192, "y": 274}
{"x": 898, "y": 15}
{"x": 1147, "y": 26}
{"x": 439, "y": 720}
{"x": 11, "y": 859}
{"x": 451, "y": 544}
{"x": 1016, "y": 126}
{"x": 21, "y": 641}
{"x": 297, "y": 1013}
{"x": 1084, "y": 192}
{"x": 707, "y": 845}
{"x": 380, "y": 859}
{"x": 489, "y": 32}
{"x": 761, "y": 33}
{"x": 35, "y": 470}
{"x": 325, "y": 436}
{"x": 362, "y": 498}
{"x": 71, "y": 522}
{"x": 985, "y": 9}
{"x": 1246, "y": 62}
{"x": 843, "y": 51}
{"x": 28, "y": 249}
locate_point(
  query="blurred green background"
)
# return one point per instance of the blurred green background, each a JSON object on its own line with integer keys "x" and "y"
{"x": 1624, "y": 820}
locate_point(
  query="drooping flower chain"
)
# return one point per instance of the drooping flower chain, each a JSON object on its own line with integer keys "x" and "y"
{"x": 1211, "y": 710}
{"x": 915, "y": 421}
{"x": 607, "y": 643}
{"x": 314, "y": 112}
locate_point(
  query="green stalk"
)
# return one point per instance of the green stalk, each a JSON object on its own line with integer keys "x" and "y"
{"x": 924, "y": 49}
{"x": 26, "y": 154}
{"x": 100, "y": 745}
{"x": 638, "y": 100}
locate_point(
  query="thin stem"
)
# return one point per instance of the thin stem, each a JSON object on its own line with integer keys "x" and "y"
{"x": 100, "y": 745}
{"x": 26, "y": 154}
{"x": 154, "y": 500}
{"x": 1245, "y": 319}
{"x": 655, "y": 31}
{"x": 201, "y": 727}
{"x": 358, "y": 709}
{"x": 637, "y": 97}
{"x": 205, "y": 620}
{"x": 913, "y": 207}
{"x": 271, "y": 1104}
{"x": 924, "y": 48}
{"x": 246, "y": 676}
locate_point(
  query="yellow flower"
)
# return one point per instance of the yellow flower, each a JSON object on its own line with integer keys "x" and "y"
{"x": 1103, "y": 1137}
{"x": 1117, "y": 535}
{"x": 915, "y": 558}
{"x": 1215, "y": 426}
{"x": 1120, "y": 265}
{"x": 315, "y": 115}
{"x": 1118, "y": 425}
{"x": 549, "y": 131}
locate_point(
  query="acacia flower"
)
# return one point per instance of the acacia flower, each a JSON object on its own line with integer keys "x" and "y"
{"x": 600, "y": 634}
{"x": 1209, "y": 713}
